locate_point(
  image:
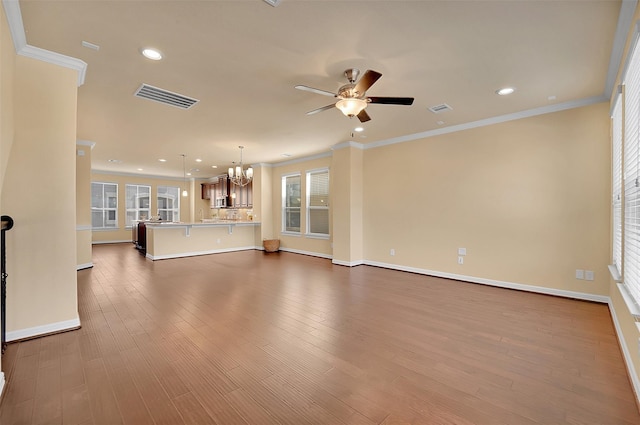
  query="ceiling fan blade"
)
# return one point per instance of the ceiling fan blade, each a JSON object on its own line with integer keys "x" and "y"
{"x": 363, "y": 116}
{"x": 391, "y": 100}
{"x": 317, "y": 91}
{"x": 367, "y": 81}
{"x": 324, "y": 108}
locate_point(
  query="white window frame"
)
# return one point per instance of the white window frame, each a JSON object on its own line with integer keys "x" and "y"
{"x": 164, "y": 212}
{"x": 616, "y": 189}
{"x": 630, "y": 288}
{"x": 105, "y": 208}
{"x": 310, "y": 208}
{"x": 145, "y": 212}
{"x": 286, "y": 210}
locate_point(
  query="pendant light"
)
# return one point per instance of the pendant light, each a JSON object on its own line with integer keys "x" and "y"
{"x": 185, "y": 192}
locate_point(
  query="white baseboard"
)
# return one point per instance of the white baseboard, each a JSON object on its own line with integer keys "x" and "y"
{"x": 628, "y": 359}
{"x": 498, "y": 283}
{"x": 1, "y": 383}
{"x": 348, "y": 263}
{"x": 43, "y": 330}
{"x": 312, "y": 254}
{"x": 107, "y": 242}
{"x": 84, "y": 266}
{"x": 196, "y": 253}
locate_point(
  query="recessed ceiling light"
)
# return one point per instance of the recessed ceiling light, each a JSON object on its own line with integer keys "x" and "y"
{"x": 152, "y": 54}
{"x": 505, "y": 91}
{"x": 439, "y": 122}
{"x": 551, "y": 98}
{"x": 140, "y": 169}
{"x": 115, "y": 161}
{"x": 358, "y": 129}
{"x": 286, "y": 155}
{"x": 214, "y": 166}
{"x": 188, "y": 174}
{"x": 198, "y": 160}
{"x": 162, "y": 160}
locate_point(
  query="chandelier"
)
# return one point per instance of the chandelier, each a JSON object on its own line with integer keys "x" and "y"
{"x": 239, "y": 176}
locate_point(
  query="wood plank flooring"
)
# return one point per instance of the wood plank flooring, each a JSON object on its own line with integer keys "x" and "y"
{"x": 253, "y": 338}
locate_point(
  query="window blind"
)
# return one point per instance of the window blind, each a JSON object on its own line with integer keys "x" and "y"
{"x": 631, "y": 175}
{"x": 616, "y": 133}
{"x": 318, "y": 202}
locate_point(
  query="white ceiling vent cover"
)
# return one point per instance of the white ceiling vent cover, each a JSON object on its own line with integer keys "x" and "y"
{"x": 440, "y": 108}
{"x": 156, "y": 94}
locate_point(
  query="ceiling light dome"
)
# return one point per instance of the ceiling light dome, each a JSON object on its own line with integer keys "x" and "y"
{"x": 351, "y": 106}
{"x": 505, "y": 91}
{"x": 152, "y": 54}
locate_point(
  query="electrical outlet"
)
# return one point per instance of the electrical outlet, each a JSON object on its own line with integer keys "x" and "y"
{"x": 462, "y": 251}
{"x": 579, "y": 274}
{"x": 392, "y": 252}
{"x": 218, "y": 240}
{"x": 589, "y": 275}
{"x": 460, "y": 260}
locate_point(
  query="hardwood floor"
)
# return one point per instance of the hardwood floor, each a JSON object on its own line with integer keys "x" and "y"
{"x": 255, "y": 338}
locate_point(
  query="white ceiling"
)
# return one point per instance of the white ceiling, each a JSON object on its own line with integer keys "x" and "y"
{"x": 242, "y": 59}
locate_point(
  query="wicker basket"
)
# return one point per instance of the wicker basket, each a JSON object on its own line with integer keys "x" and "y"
{"x": 271, "y": 245}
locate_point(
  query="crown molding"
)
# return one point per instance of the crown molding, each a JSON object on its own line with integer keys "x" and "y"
{"x": 625, "y": 20}
{"x": 303, "y": 159}
{"x": 16, "y": 27}
{"x": 490, "y": 121}
{"x": 349, "y": 144}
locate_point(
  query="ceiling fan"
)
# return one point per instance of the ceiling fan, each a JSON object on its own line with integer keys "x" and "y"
{"x": 353, "y": 99}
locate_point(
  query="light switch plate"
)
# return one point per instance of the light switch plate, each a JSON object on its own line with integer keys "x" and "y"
{"x": 579, "y": 274}
{"x": 462, "y": 251}
{"x": 589, "y": 275}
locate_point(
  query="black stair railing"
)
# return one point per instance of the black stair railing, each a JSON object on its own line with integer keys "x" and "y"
{"x": 7, "y": 224}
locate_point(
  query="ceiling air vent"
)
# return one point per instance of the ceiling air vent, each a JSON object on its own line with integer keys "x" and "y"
{"x": 440, "y": 108}
{"x": 146, "y": 91}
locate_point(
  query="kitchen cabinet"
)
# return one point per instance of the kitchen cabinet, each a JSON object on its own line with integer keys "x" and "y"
{"x": 221, "y": 194}
{"x": 243, "y": 196}
{"x": 205, "y": 190}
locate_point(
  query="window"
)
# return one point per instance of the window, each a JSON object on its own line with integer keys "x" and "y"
{"x": 291, "y": 203}
{"x": 104, "y": 205}
{"x": 169, "y": 203}
{"x": 137, "y": 201}
{"x": 318, "y": 202}
{"x": 616, "y": 190}
{"x": 631, "y": 173}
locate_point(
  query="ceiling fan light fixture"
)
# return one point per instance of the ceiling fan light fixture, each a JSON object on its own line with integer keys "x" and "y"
{"x": 351, "y": 106}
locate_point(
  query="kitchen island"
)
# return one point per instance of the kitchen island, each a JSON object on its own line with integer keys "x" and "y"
{"x": 174, "y": 240}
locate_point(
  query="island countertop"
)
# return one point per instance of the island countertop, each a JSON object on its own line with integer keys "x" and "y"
{"x": 166, "y": 239}
{"x": 205, "y": 223}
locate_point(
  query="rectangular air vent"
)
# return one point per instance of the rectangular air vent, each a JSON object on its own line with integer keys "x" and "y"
{"x": 440, "y": 108}
{"x": 156, "y": 94}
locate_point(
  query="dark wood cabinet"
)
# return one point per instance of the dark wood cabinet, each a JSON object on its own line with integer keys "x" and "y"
{"x": 206, "y": 190}
{"x": 224, "y": 194}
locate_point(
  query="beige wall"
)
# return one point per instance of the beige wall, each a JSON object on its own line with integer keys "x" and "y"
{"x": 528, "y": 199}
{"x": 7, "y": 63}
{"x": 347, "y": 187}
{"x": 38, "y": 192}
{"x": 263, "y": 201}
{"x": 124, "y": 234}
{"x": 83, "y": 206}
{"x": 321, "y": 247}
